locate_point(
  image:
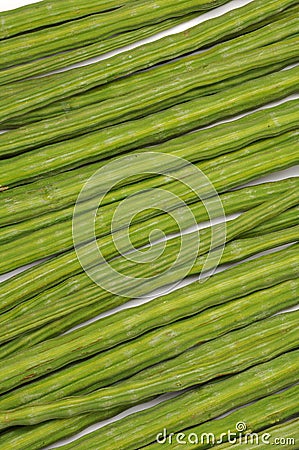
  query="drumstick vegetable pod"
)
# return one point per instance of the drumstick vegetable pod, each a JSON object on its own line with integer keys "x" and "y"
{"x": 61, "y": 190}
{"x": 61, "y": 60}
{"x": 235, "y": 251}
{"x": 28, "y": 95}
{"x": 113, "y": 365}
{"x": 267, "y": 411}
{"x": 176, "y": 84}
{"x": 59, "y": 237}
{"x": 285, "y": 434}
{"x": 50, "y": 12}
{"x": 194, "y": 407}
{"x": 156, "y": 271}
{"x": 253, "y": 384}
{"x": 284, "y": 24}
{"x": 152, "y": 129}
{"x": 103, "y": 334}
{"x": 90, "y": 29}
{"x": 229, "y": 354}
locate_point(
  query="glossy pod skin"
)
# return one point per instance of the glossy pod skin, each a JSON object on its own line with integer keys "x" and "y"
{"x": 113, "y": 365}
{"x": 233, "y": 252}
{"x": 117, "y": 328}
{"x": 194, "y": 407}
{"x": 59, "y": 237}
{"x": 155, "y": 270}
{"x": 61, "y": 190}
{"x": 152, "y": 129}
{"x": 285, "y": 22}
{"x": 26, "y": 96}
{"x": 262, "y": 414}
{"x": 178, "y": 82}
{"x": 50, "y": 12}
{"x": 225, "y": 356}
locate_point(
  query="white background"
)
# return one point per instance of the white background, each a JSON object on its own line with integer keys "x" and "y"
{"x": 10, "y": 4}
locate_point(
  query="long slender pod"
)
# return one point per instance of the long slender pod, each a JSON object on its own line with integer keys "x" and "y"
{"x": 232, "y": 203}
{"x": 113, "y": 365}
{"x": 25, "y": 96}
{"x": 50, "y": 12}
{"x": 283, "y": 221}
{"x": 229, "y": 354}
{"x": 262, "y": 414}
{"x": 93, "y": 338}
{"x": 59, "y": 237}
{"x": 147, "y": 276}
{"x": 90, "y": 29}
{"x": 284, "y": 24}
{"x": 62, "y": 60}
{"x": 98, "y": 303}
{"x": 205, "y": 403}
{"x": 61, "y": 190}
{"x": 31, "y": 282}
{"x": 149, "y": 130}
{"x": 168, "y": 89}
{"x": 190, "y": 408}
{"x": 285, "y": 435}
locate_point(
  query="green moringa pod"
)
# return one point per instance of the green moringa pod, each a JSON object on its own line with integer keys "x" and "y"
{"x": 176, "y": 84}
{"x": 149, "y": 130}
{"x": 155, "y": 271}
{"x": 224, "y": 356}
{"x": 99, "y": 302}
{"x": 49, "y": 12}
{"x": 61, "y": 190}
{"x": 253, "y": 418}
{"x": 103, "y": 334}
{"x": 90, "y": 29}
{"x": 113, "y": 365}
{"x": 27, "y": 95}
{"x": 258, "y": 160}
{"x": 194, "y": 407}
{"x": 284, "y": 435}
{"x": 167, "y": 414}
{"x": 284, "y": 23}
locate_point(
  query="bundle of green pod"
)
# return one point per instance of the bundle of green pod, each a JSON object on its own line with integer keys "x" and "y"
{"x": 153, "y": 195}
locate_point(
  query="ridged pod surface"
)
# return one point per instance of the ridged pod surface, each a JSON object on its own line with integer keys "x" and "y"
{"x": 90, "y": 29}
{"x": 61, "y": 190}
{"x": 251, "y": 40}
{"x": 155, "y": 270}
{"x": 125, "y": 325}
{"x": 152, "y": 129}
{"x": 25, "y": 96}
{"x": 251, "y": 385}
{"x": 60, "y": 61}
{"x": 49, "y": 12}
{"x": 59, "y": 237}
{"x": 262, "y": 414}
{"x": 194, "y": 407}
{"x": 225, "y": 356}
{"x": 285, "y": 435}
{"x": 99, "y": 301}
{"x": 175, "y": 83}
{"x": 156, "y": 346}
